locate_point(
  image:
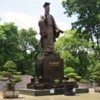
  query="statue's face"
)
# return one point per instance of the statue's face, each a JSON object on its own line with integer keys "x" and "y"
{"x": 47, "y": 9}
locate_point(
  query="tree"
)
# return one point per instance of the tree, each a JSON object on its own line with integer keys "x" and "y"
{"x": 8, "y": 43}
{"x": 88, "y": 19}
{"x": 8, "y": 75}
{"x": 20, "y": 46}
{"x": 70, "y": 73}
{"x": 75, "y": 51}
{"x": 95, "y": 74}
{"x": 2, "y": 38}
{"x": 30, "y": 50}
{"x": 2, "y": 35}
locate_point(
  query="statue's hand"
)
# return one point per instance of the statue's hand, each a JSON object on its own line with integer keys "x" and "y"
{"x": 60, "y": 31}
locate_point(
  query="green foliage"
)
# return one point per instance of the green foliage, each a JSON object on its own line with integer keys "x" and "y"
{"x": 2, "y": 35}
{"x": 69, "y": 70}
{"x": 88, "y": 20}
{"x": 30, "y": 49}
{"x": 78, "y": 53}
{"x": 8, "y": 43}
{"x": 21, "y": 46}
{"x": 75, "y": 51}
{"x": 95, "y": 75}
{"x": 70, "y": 73}
{"x": 84, "y": 81}
{"x": 10, "y": 65}
{"x": 9, "y": 75}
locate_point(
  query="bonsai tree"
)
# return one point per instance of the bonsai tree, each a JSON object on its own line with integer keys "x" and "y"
{"x": 9, "y": 75}
{"x": 70, "y": 73}
{"x": 95, "y": 75}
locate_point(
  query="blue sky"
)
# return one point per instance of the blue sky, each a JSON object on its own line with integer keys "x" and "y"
{"x": 26, "y": 13}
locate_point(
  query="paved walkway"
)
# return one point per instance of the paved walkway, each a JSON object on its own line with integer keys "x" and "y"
{"x": 86, "y": 96}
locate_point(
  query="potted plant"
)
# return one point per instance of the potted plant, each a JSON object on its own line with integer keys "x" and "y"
{"x": 10, "y": 77}
{"x": 71, "y": 74}
{"x": 95, "y": 77}
{"x": 71, "y": 83}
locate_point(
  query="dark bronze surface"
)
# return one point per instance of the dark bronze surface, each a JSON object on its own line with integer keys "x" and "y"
{"x": 49, "y": 31}
{"x": 49, "y": 67}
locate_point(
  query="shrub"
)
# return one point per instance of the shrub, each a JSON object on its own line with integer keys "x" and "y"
{"x": 9, "y": 75}
{"x": 70, "y": 73}
{"x": 84, "y": 81}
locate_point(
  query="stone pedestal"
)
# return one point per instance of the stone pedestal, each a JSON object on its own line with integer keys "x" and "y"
{"x": 48, "y": 69}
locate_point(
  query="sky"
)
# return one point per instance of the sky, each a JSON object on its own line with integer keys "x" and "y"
{"x": 26, "y": 13}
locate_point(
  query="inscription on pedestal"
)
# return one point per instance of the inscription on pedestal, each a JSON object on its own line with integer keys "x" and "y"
{"x": 54, "y": 64}
{"x": 53, "y": 68}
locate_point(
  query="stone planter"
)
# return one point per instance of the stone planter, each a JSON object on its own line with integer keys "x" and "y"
{"x": 10, "y": 94}
{"x": 70, "y": 88}
{"x": 97, "y": 89}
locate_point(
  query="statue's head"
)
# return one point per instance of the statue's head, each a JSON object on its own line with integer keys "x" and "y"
{"x": 47, "y": 7}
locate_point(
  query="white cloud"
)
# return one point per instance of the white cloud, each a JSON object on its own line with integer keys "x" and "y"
{"x": 63, "y": 26}
{"x": 25, "y": 21}
{"x": 20, "y": 19}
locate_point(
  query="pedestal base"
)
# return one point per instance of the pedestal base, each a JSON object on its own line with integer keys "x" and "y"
{"x": 48, "y": 69}
{"x": 46, "y": 92}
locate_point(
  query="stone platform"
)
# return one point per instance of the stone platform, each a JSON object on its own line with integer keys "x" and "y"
{"x": 43, "y": 92}
{"x": 50, "y": 67}
{"x": 46, "y": 92}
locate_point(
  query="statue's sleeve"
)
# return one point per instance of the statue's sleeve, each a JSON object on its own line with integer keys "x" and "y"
{"x": 42, "y": 27}
{"x": 55, "y": 25}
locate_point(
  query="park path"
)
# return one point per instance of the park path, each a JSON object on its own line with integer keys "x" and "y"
{"x": 86, "y": 96}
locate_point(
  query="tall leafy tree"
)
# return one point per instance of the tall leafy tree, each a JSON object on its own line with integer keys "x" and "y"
{"x": 20, "y": 46}
{"x": 88, "y": 19}
{"x": 75, "y": 51}
{"x": 8, "y": 42}
{"x": 2, "y": 38}
{"x": 30, "y": 49}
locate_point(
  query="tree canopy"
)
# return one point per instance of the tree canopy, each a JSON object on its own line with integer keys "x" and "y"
{"x": 74, "y": 51}
{"x": 21, "y": 46}
{"x": 88, "y": 19}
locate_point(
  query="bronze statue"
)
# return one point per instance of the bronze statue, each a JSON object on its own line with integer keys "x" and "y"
{"x": 48, "y": 30}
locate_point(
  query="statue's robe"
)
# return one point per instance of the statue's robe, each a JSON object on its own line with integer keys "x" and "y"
{"x": 48, "y": 32}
